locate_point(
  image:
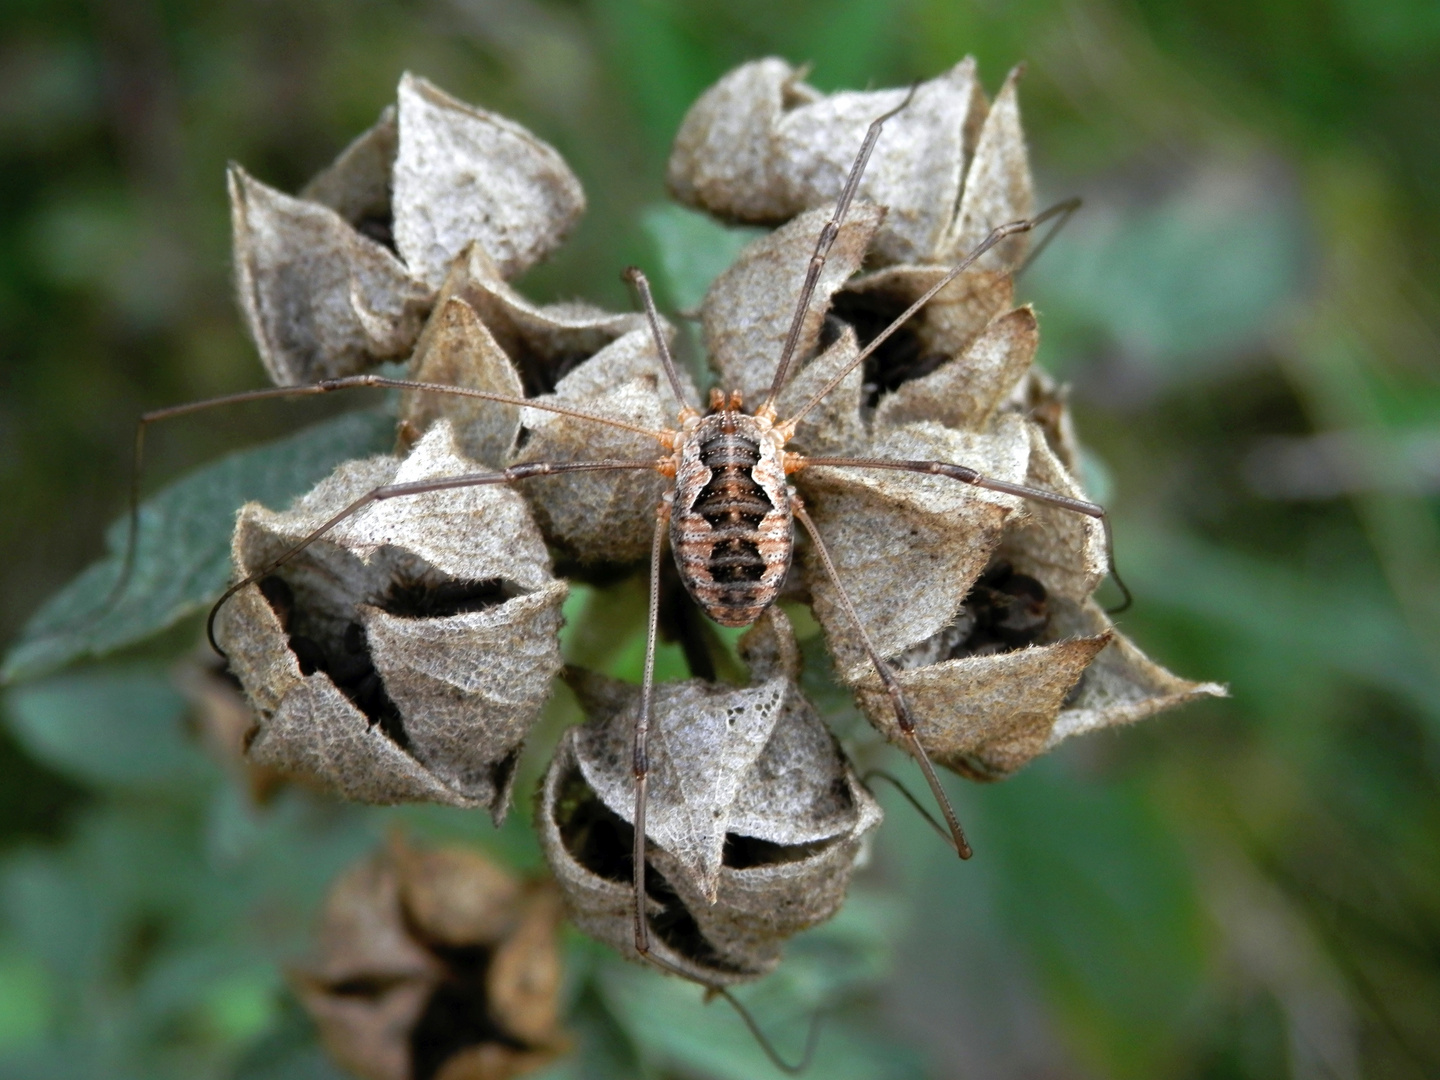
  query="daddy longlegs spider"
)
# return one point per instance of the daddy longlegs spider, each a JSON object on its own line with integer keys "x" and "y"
{"x": 729, "y": 513}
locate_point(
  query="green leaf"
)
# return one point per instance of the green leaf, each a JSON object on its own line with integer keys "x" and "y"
{"x": 672, "y": 1024}
{"x": 693, "y": 249}
{"x": 1099, "y": 891}
{"x": 182, "y": 559}
{"x": 109, "y": 727}
{"x": 822, "y": 970}
{"x": 1183, "y": 288}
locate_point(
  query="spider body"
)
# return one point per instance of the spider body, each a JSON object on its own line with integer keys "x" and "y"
{"x": 731, "y": 525}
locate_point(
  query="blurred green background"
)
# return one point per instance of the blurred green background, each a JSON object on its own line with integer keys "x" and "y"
{"x": 1247, "y": 312}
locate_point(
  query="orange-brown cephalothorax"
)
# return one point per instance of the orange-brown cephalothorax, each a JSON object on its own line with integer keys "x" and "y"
{"x": 730, "y": 519}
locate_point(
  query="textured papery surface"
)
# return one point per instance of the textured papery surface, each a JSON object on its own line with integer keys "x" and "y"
{"x": 463, "y": 174}
{"x": 834, "y": 426}
{"x": 998, "y": 188}
{"x": 320, "y": 299}
{"x": 763, "y": 146}
{"x": 907, "y": 546}
{"x": 705, "y": 741}
{"x": 1062, "y": 548}
{"x": 982, "y": 715}
{"x": 406, "y": 654}
{"x": 753, "y": 821}
{"x": 457, "y": 349}
{"x": 723, "y": 159}
{"x": 748, "y": 310}
{"x": 412, "y": 939}
{"x": 603, "y": 517}
{"x": 965, "y": 389}
{"x": 356, "y": 185}
{"x": 987, "y": 715}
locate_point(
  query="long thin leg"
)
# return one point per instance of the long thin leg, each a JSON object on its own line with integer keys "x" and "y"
{"x": 324, "y": 386}
{"x": 637, "y": 277}
{"x": 964, "y": 474}
{"x": 417, "y": 487}
{"x": 823, "y": 244}
{"x": 1065, "y": 210}
{"x": 640, "y": 769}
{"x": 639, "y": 758}
{"x": 903, "y": 718}
{"x": 997, "y": 234}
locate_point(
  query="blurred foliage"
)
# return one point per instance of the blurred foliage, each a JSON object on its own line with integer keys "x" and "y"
{"x": 1246, "y": 310}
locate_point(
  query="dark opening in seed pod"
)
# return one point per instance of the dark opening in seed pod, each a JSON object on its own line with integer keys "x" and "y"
{"x": 406, "y": 654}
{"x": 436, "y": 965}
{"x": 754, "y": 821}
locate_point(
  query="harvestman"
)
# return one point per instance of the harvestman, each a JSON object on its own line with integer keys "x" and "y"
{"x": 729, "y": 511}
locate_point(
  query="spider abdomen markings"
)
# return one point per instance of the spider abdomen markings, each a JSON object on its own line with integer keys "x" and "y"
{"x": 730, "y": 524}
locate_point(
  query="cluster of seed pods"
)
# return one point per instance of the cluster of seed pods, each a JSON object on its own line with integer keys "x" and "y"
{"x": 406, "y": 654}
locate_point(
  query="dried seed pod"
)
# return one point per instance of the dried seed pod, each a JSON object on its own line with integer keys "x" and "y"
{"x": 908, "y": 546}
{"x": 356, "y": 185}
{"x": 436, "y": 964}
{"x": 406, "y": 654}
{"x": 763, "y": 146}
{"x": 224, "y": 720}
{"x": 463, "y": 174}
{"x": 754, "y": 820}
{"x": 321, "y": 299}
{"x": 1016, "y": 674}
{"x": 486, "y": 336}
{"x": 342, "y": 277}
{"x": 748, "y": 309}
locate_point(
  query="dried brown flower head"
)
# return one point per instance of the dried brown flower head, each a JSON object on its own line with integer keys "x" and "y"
{"x": 932, "y": 567}
{"x": 436, "y": 965}
{"x": 754, "y": 824}
{"x": 341, "y": 277}
{"x": 407, "y": 653}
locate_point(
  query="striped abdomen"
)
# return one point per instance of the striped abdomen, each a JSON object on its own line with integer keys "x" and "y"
{"x": 730, "y": 522}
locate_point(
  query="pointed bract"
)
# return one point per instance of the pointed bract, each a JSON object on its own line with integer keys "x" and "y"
{"x": 463, "y": 175}
{"x": 998, "y": 188}
{"x": 356, "y": 185}
{"x": 320, "y": 299}
{"x": 748, "y": 310}
{"x": 457, "y": 349}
